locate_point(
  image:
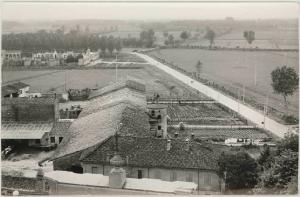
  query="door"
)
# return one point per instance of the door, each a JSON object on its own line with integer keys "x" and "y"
{"x": 140, "y": 174}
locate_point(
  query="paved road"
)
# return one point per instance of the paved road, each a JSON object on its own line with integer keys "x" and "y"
{"x": 248, "y": 112}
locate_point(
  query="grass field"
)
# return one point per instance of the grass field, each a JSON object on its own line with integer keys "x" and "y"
{"x": 156, "y": 81}
{"x": 274, "y": 39}
{"x": 235, "y": 69}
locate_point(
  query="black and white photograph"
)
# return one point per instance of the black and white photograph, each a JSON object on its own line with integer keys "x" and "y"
{"x": 149, "y": 97}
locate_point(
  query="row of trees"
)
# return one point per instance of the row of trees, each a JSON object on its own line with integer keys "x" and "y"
{"x": 73, "y": 40}
{"x": 274, "y": 172}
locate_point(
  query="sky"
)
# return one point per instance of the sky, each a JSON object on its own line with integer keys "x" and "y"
{"x": 147, "y": 11}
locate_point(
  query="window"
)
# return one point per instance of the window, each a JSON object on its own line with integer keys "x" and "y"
{"x": 140, "y": 174}
{"x": 60, "y": 139}
{"x": 189, "y": 177}
{"x": 173, "y": 176}
{"x": 52, "y": 139}
{"x": 159, "y": 127}
{"x": 152, "y": 113}
{"x": 157, "y": 174}
{"x": 37, "y": 141}
{"x": 207, "y": 179}
{"x": 94, "y": 170}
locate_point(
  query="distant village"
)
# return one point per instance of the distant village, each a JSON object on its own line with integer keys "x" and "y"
{"x": 54, "y": 58}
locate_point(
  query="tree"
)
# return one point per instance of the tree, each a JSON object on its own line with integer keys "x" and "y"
{"x": 103, "y": 44}
{"x": 184, "y": 35}
{"x": 171, "y": 40}
{"x": 210, "y": 35}
{"x": 110, "y": 44}
{"x": 280, "y": 176}
{"x": 118, "y": 45}
{"x": 166, "y": 34}
{"x": 249, "y": 36}
{"x": 285, "y": 82}
{"x": 290, "y": 141}
{"x": 240, "y": 169}
{"x": 265, "y": 157}
{"x": 199, "y": 66}
{"x": 70, "y": 59}
{"x": 147, "y": 38}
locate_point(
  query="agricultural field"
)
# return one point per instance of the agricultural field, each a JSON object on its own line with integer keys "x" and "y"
{"x": 60, "y": 80}
{"x": 206, "y": 114}
{"x": 269, "y": 39}
{"x": 235, "y": 69}
{"x": 125, "y": 57}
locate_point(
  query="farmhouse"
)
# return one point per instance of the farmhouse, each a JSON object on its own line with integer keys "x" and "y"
{"x": 18, "y": 89}
{"x": 46, "y": 55}
{"x": 11, "y": 55}
{"x": 28, "y": 121}
{"x": 88, "y": 57}
{"x": 157, "y": 158}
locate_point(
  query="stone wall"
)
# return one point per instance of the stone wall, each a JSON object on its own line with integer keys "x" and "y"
{"x": 23, "y": 183}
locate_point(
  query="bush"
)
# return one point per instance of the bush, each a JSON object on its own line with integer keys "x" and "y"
{"x": 290, "y": 119}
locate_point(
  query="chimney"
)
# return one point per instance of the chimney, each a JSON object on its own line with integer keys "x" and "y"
{"x": 117, "y": 175}
{"x": 169, "y": 145}
{"x": 40, "y": 182}
{"x": 187, "y": 144}
{"x": 176, "y": 135}
{"x": 192, "y": 136}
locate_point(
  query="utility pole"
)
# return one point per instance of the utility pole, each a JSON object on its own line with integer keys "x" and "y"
{"x": 266, "y": 109}
{"x": 243, "y": 93}
{"x": 116, "y": 68}
{"x": 255, "y": 74}
{"x": 65, "y": 80}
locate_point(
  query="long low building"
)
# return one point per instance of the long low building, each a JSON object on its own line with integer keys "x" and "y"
{"x": 158, "y": 158}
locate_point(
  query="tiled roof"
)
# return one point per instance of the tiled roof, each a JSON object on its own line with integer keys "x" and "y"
{"x": 11, "y": 88}
{"x": 156, "y": 106}
{"x": 92, "y": 129}
{"x": 152, "y": 152}
{"x": 101, "y": 119}
{"x": 24, "y": 131}
{"x": 132, "y": 84}
{"x": 27, "y": 100}
{"x": 8, "y": 89}
{"x": 60, "y": 128}
{"x": 223, "y": 133}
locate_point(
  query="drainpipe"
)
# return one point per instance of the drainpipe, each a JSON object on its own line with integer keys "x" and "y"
{"x": 198, "y": 180}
